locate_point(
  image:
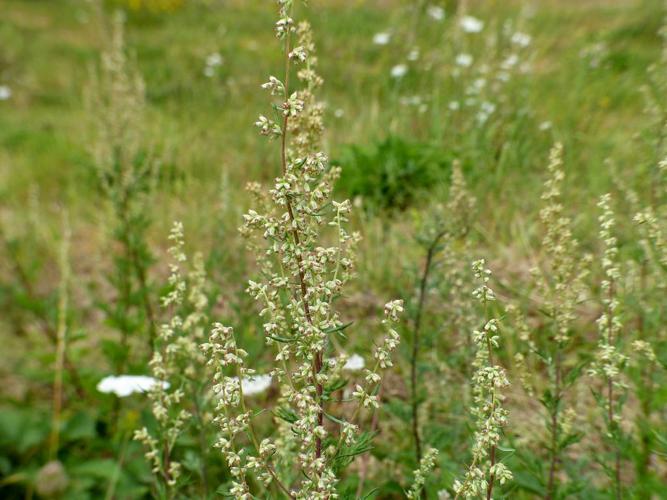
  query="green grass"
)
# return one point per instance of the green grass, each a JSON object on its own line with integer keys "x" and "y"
{"x": 203, "y": 130}
{"x": 47, "y": 51}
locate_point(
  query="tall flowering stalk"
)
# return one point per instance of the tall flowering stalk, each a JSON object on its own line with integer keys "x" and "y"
{"x": 488, "y": 382}
{"x": 177, "y": 365}
{"x": 609, "y": 360}
{"x": 561, "y": 281}
{"x": 301, "y": 278}
{"x": 127, "y": 174}
{"x": 441, "y": 227}
{"x": 648, "y": 372}
{"x": 61, "y": 339}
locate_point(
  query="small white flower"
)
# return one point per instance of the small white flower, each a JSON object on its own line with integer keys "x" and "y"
{"x": 464, "y": 60}
{"x": 354, "y": 363}
{"x": 381, "y": 38}
{"x": 339, "y": 113}
{"x": 454, "y": 105}
{"x": 521, "y": 39}
{"x": 214, "y": 59}
{"x": 436, "y": 12}
{"x": 393, "y": 309}
{"x": 5, "y": 92}
{"x": 255, "y": 384}
{"x": 299, "y": 54}
{"x": 510, "y": 62}
{"x": 471, "y": 24}
{"x": 478, "y": 85}
{"x": 275, "y": 86}
{"x": 413, "y": 55}
{"x": 125, "y": 385}
{"x": 545, "y": 125}
{"x": 486, "y": 109}
{"x": 399, "y": 71}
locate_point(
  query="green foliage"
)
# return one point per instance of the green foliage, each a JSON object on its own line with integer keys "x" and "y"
{"x": 391, "y": 174}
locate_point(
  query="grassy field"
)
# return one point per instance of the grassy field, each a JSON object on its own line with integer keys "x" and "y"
{"x": 408, "y": 95}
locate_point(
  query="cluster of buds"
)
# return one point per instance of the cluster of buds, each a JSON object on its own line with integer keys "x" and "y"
{"x": 488, "y": 382}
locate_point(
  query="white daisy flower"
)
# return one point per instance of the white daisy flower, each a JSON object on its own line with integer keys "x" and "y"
{"x": 5, "y": 92}
{"x": 125, "y": 385}
{"x": 255, "y": 384}
{"x": 399, "y": 70}
{"x": 486, "y": 109}
{"x": 521, "y": 39}
{"x": 436, "y": 12}
{"x": 381, "y": 38}
{"x": 464, "y": 60}
{"x": 354, "y": 363}
{"x": 471, "y": 24}
{"x": 510, "y": 61}
{"x": 214, "y": 59}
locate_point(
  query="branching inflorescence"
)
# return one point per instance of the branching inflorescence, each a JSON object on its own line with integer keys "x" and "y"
{"x": 127, "y": 175}
{"x": 302, "y": 275}
{"x": 488, "y": 382}
{"x": 177, "y": 365}
{"x": 609, "y": 359}
{"x": 562, "y": 284}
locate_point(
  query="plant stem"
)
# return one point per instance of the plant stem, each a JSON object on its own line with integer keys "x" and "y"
{"x": 60, "y": 340}
{"x": 492, "y": 452}
{"x": 202, "y": 445}
{"x": 364, "y": 460}
{"x": 140, "y": 270}
{"x": 317, "y": 362}
{"x": 645, "y": 394}
{"x": 414, "y": 359}
{"x": 113, "y": 481}
{"x": 555, "y": 425}
{"x": 415, "y": 352}
{"x": 255, "y": 441}
{"x": 489, "y": 488}
{"x": 610, "y": 397}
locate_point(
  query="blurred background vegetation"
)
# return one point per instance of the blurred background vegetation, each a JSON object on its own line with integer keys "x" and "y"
{"x": 395, "y": 136}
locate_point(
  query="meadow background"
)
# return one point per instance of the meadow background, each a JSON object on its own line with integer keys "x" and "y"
{"x": 400, "y": 109}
